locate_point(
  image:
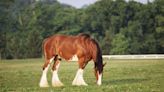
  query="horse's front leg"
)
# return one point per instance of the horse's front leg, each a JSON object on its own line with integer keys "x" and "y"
{"x": 55, "y": 79}
{"x": 78, "y": 80}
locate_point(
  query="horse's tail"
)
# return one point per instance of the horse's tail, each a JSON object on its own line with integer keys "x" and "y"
{"x": 48, "y": 53}
{"x": 44, "y": 45}
{"x": 43, "y": 49}
{"x": 43, "y": 55}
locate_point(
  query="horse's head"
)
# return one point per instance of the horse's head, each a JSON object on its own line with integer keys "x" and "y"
{"x": 98, "y": 72}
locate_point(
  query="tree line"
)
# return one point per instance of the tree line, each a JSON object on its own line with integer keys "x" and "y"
{"x": 120, "y": 27}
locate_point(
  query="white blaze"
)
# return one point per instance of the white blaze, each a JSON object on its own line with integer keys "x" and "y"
{"x": 78, "y": 80}
{"x": 99, "y": 79}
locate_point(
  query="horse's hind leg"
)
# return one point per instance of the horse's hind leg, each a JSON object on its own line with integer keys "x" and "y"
{"x": 55, "y": 79}
{"x": 43, "y": 80}
{"x": 78, "y": 80}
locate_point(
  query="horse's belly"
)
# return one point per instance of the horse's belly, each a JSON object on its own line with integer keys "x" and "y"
{"x": 67, "y": 51}
{"x": 67, "y": 56}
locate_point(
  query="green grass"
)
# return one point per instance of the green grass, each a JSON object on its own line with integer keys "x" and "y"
{"x": 126, "y": 76}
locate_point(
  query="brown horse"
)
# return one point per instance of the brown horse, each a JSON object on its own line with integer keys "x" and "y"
{"x": 82, "y": 46}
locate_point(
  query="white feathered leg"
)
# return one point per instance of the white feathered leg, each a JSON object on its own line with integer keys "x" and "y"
{"x": 43, "y": 80}
{"x": 55, "y": 79}
{"x": 78, "y": 80}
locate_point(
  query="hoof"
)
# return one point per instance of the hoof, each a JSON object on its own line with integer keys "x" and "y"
{"x": 57, "y": 84}
{"x": 79, "y": 84}
{"x": 44, "y": 85}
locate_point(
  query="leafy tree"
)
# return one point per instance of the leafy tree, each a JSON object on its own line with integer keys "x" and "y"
{"x": 120, "y": 44}
{"x": 34, "y": 43}
{"x": 159, "y": 33}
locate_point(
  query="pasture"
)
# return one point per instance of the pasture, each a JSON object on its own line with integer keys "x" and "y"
{"x": 119, "y": 76}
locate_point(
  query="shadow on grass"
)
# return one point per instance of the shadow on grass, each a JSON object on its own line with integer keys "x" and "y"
{"x": 124, "y": 81}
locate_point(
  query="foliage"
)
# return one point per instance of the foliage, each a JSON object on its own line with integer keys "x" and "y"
{"x": 120, "y": 27}
{"x": 122, "y": 47}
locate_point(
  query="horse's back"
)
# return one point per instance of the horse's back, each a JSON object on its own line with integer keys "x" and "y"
{"x": 68, "y": 46}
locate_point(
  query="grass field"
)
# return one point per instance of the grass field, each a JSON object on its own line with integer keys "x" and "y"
{"x": 126, "y": 76}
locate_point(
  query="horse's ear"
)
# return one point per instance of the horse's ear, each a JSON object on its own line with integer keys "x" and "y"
{"x": 104, "y": 64}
